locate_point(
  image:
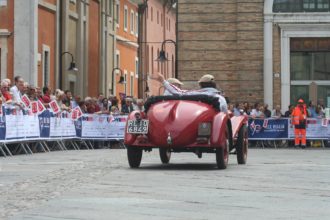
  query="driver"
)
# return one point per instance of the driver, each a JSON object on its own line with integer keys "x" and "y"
{"x": 206, "y": 83}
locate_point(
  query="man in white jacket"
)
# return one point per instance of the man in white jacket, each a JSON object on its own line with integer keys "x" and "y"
{"x": 207, "y": 84}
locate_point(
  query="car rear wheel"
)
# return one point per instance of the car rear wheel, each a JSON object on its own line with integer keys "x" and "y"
{"x": 165, "y": 155}
{"x": 134, "y": 156}
{"x": 242, "y": 145}
{"x": 222, "y": 153}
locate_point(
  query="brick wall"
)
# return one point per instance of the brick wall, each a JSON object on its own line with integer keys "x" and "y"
{"x": 223, "y": 38}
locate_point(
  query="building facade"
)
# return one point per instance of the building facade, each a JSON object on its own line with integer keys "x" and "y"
{"x": 158, "y": 27}
{"x": 269, "y": 51}
{"x": 37, "y": 43}
{"x": 126, "y": 48}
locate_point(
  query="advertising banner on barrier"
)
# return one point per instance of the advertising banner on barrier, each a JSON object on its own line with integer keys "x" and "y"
{"x": 314, "y": 129}
{"x": 18, "y": 125}
{"x": 272, "y": 129}
{"x": 98, "y": 126}
{"x": 268, "y": 129}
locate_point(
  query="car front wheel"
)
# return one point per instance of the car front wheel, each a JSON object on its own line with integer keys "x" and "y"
{"x": 134, "y": 156}
{"x": 165, "y": 155}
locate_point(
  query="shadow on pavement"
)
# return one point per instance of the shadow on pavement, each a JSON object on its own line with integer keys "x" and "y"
{"x": 173, "y": 166}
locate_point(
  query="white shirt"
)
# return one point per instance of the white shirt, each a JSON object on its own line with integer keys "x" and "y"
{"x": 205, "y": 91}
{"x": 16, "y": 94}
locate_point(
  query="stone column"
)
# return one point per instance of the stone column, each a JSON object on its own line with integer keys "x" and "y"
{"x": 26, "y": 40}
{"x": 268, "y": 61}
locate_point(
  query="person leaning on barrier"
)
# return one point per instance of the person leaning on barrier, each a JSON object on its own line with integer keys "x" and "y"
{"x": 16, "y": 91}
{"x": 299, "y": 120}
{"x": 128, "y": 106}
{"x": 6, "y": 97}
{"x": 206, "y": 83}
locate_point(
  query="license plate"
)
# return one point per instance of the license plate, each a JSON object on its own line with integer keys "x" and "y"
{"x": 137, "y": 127}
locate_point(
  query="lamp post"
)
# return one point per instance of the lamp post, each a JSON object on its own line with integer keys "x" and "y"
{"x": 162, "y": 57}
{"x": 122, "y": 78}
{"x": 71, "y": 68}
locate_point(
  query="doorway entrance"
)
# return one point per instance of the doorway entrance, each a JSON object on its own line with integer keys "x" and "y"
{"x": 310, "y": 70}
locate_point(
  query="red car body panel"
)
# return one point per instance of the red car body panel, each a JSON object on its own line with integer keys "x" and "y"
{"x": 179, "y": 119}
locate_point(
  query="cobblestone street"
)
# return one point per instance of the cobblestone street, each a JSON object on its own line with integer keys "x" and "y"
{"x": 275, "y": 184}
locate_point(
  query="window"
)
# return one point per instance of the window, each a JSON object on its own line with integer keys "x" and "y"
{"x": 136, "y": 24}
{"x": 152, "y": 59}
{"x": 173, "y": 65}
{"x": 161, "y": 20}
{"x": 166, "y": 67}
{"x": 169, "y": 24}
{"x": 299, "y": 92}
{"x": 157, "y": 17}
{"x": 125, "y": 17}
{"x": 301, "y": 6}
{"x": 117, "y": 13}
{"x": 132, "y": 84}
{"x": 72, "y": 86}
{"x": 110, "y": 8}
{"x": 117, "y": 59}
{"x": 3, "y": 3}
{"x": 125, "y": 85}
{"x": 166, "y": 23}
{"x": 45, "y": 65}
{"x": 310, "y": 69}
{"x": 132, "y": 22}
{"x": 157, "y": 61}
{"x": 152, "y": 13}
{"x": 137, "y": 66}
{"x": 310, "y": 58}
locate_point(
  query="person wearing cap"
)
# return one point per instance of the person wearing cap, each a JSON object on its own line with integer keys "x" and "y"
{"x": 174, "y": 82}
{"x": 298, "y": 119}
{"x": 207, "y": 84}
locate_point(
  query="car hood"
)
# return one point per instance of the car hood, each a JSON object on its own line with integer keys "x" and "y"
{"x": 177, "y": 119}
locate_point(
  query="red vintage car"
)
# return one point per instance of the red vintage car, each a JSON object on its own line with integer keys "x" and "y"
{"x": 185, "y": 124}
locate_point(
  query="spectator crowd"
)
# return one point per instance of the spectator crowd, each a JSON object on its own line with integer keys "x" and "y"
{"x": 12, "y": 95}
{"x": 258, "y": 110}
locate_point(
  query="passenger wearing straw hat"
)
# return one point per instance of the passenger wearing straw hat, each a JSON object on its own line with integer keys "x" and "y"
{"x": 174, "y": 82}
{"x": 206, "y": 83}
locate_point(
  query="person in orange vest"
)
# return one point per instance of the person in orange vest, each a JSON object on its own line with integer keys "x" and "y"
{"x": 299, "y": 120}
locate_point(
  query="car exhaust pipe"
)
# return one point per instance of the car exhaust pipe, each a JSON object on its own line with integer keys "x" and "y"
{"x": 198, "y": 153}
{"x": 169, "y": 139}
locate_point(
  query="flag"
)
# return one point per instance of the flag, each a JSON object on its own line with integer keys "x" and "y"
{"x": 110, "y": 119}
{"x": 325, "y": 122}
{"x": 34, "y": 107}
{"x": 54, "y": 106}
{"x": 26, "y": 101}
{"x": 76, "y": 113}
{"x": 265, "y": 124}
{"x": 41, "y": 107}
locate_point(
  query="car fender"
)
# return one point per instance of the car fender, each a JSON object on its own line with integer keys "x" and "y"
{"x": 130, "y": 138}
{"x": 237, "y": 122}
{"x": 218, "y": 137}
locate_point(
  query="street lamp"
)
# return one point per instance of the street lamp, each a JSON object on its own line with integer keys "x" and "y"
{"x": 72, "y": 64}
{"x": 122, "y": 78}
{"x": 162, "y": 57}
{"x": 72, "y": 67}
